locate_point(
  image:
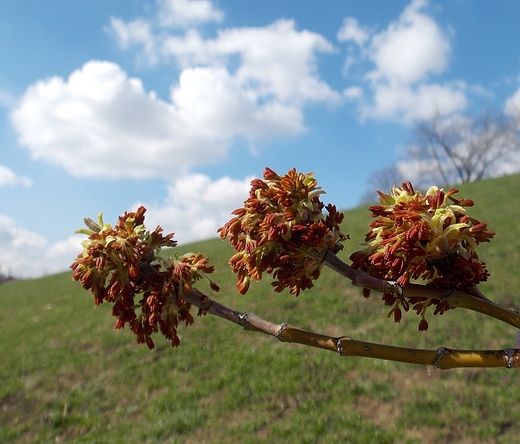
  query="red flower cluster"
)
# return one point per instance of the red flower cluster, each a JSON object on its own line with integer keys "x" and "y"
{"x": 282, "y": 230}
{"x": 123, "y": 263}
{"x": 426, "y": 237}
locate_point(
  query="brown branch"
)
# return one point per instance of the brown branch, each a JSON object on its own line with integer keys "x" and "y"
{"x": 476, "y": 302}
{"x": 443, "y": 358}
{"x": 248, "y": 321}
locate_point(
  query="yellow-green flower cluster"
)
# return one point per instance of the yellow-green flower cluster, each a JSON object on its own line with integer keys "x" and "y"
{"x": 429, "y": 237}
{"x": 282, "y": 230}
{"x": 121, "y": 264}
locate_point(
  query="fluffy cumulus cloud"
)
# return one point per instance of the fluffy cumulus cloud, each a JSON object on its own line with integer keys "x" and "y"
{"x": 414, "y": 103}
{"x": 275, "y": 63}
{"x": 410, "y": 48}
{"x": 197, "y": 206}
{"x": 24, "y": 253}
{"x": 10, "y": 178}
{"x": 138, "y": 32}
{"x": 99, "y": 122}
{"x": 403, "y": 58}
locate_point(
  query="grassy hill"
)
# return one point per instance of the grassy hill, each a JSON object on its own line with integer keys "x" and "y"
{"x": 68, "y": 376}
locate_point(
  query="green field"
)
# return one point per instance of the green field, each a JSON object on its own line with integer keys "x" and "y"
{"x": 68, "y": 376}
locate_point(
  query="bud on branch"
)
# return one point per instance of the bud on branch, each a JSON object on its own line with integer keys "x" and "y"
{"x": 281, "y": 230}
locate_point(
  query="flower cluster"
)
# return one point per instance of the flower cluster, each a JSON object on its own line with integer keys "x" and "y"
{"x": 428, "y": 237}
{"x": 282, "y": 230}
{"x": 121, "y": 264}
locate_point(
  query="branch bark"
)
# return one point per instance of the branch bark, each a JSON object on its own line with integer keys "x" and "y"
{"x": 443, "y": 358}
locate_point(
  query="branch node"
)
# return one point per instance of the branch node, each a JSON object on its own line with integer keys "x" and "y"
{"x": 281, "y": 330}
{"x": 442, "y": 352}
{"x": 205, "y": 303}
{"x": 397, "y": 290}
{"x": 339, "y": 346}
{"x": 509, "y": 354}
{"x": 242, "y": 319}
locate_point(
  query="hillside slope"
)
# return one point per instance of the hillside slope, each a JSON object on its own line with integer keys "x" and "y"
{"x": 68, "y": 376}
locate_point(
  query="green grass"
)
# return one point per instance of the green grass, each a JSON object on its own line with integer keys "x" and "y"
{"x": 68, "y": 376}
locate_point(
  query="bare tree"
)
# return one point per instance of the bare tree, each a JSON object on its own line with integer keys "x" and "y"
{"x": 461, "y": 149}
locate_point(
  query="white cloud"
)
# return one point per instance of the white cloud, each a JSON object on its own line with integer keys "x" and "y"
{"x": 419, "y": 172}
{"x": 352, "y": 31}
{"x": 423, "y": 102}
{"x": 508, "y": 165}
{"x": 410, "y": 48}
{"x": 196, "y": 206}
{"x": 9, "y": 178}
{"x": 279, "y": 60}
{"x": 216, "y": 107}
{"x": 354, "y": 92}
{"x": 274, "y": 61}
{"x": 60, "y": 255}
{"x": 404, "y": 56}
{"x": 135, "y": 33}
{"x": 101, "y": 123}
{"x": 25, "y": 254}
{"x": 184, "y": 13}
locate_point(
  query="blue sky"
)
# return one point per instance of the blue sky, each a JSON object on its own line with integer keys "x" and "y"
{"x": 177, "y": 104}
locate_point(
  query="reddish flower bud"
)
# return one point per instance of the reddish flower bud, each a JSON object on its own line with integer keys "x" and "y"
{"x": 149, "y": 342}
{"x": 429, "y": 237}
{"x": 135, "y": 273}
{"x": 281, "y": 226}
{"x": 423, "y": 325}
{"x": 116, "y": 266}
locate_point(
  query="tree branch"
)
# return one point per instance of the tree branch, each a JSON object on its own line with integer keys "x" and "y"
{"x": 476, "y": 302}
{"x": 443, "y": 358}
